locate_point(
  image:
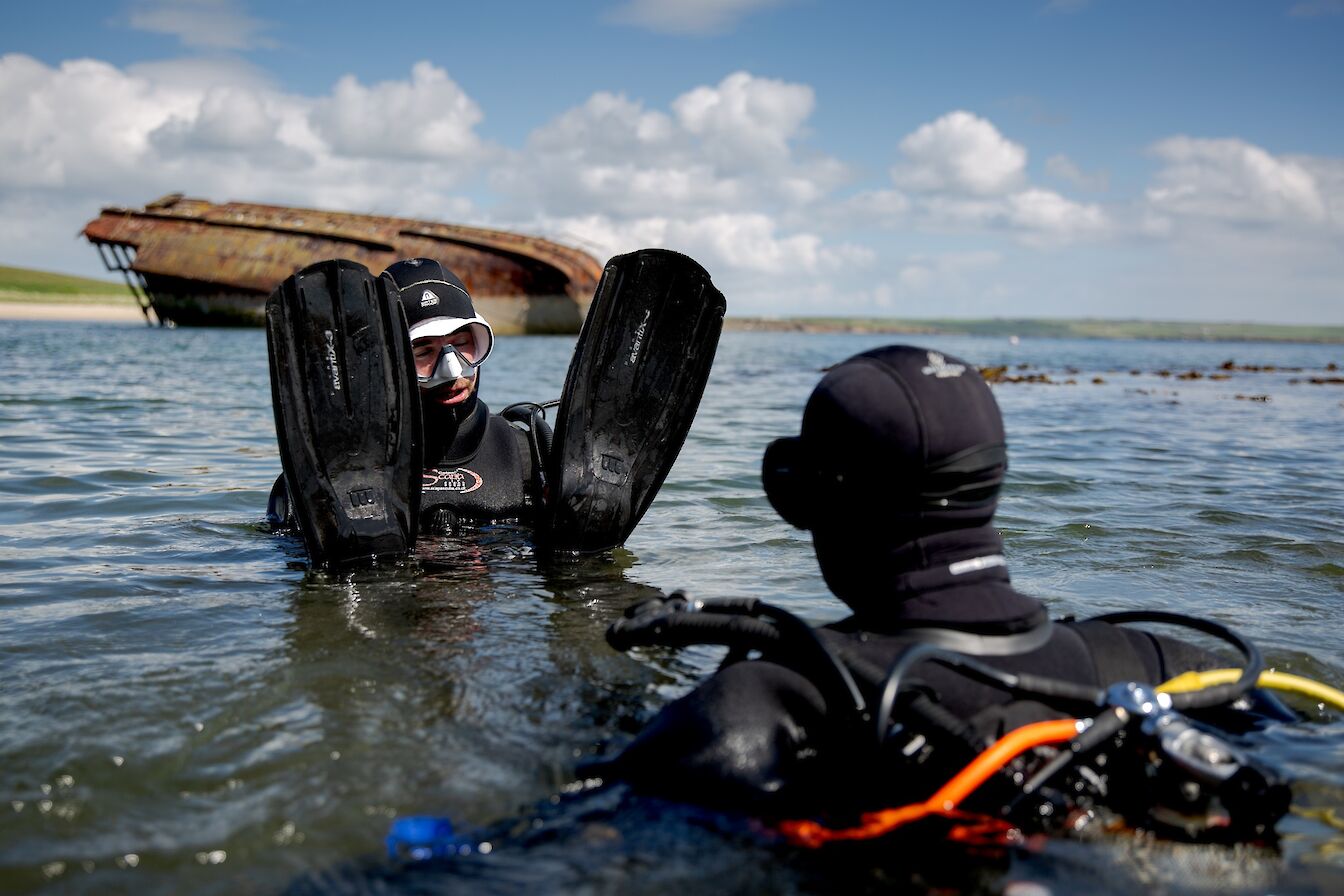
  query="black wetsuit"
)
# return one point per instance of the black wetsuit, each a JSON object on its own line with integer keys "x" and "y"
{"x": 764, "y": 736}
{"x": 479, "y": 469}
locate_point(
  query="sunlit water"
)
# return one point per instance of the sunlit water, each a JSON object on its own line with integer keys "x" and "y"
{"x": 184, "y": 708}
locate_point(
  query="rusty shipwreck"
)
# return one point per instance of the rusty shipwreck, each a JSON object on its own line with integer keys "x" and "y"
{"x": 192, "y": 262}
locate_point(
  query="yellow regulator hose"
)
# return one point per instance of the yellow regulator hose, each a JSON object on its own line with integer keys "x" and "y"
{"x": 1282, "y": 681}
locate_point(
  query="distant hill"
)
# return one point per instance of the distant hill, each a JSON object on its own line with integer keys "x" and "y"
{"x": 1025, "y": 328}
{"x": 40, "y": 285}
{"x": 25, "y": 285}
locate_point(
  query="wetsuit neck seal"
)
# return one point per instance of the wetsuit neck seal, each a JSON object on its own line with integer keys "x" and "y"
{"x": 453, "y": 434}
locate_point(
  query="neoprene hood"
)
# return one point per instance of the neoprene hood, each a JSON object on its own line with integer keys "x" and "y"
{"x": 892, "y": 433}
{"x": 896, "y": 472}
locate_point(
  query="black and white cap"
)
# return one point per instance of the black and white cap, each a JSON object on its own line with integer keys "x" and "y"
{"x": 437, "y": 303}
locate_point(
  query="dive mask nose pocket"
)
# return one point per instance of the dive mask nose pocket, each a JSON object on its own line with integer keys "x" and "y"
{"x": 784, "y": 476}
{"x": 451, "y": 365}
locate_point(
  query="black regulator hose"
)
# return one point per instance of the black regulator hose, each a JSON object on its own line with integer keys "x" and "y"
{"x": 1053, "y": 689}
{"x": 741, "y": 624}
{"x": 1215, "y": 695}
{"x": 539, "y": 434}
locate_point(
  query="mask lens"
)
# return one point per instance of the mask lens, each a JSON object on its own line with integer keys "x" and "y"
{"x": 451, "y": 365}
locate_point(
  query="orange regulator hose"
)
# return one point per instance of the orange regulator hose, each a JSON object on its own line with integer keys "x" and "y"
{"x": 944, "y": 801}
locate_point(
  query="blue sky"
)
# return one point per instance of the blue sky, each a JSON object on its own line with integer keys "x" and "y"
{"x": 1179, "y": 160}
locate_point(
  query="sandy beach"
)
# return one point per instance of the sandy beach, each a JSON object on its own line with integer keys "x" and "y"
{"x": 109, "y": 311}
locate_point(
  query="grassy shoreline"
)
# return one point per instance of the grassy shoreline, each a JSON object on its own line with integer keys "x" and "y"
{"x": 1046, "y": 328}
{"x": 20, "y": 284}
{"x": 34, "y": 293}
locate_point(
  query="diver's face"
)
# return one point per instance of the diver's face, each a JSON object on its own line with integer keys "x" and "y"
{"x": 426, "y": 351}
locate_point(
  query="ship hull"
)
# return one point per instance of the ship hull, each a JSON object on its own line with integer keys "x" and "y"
{"x": 195, "y": 263}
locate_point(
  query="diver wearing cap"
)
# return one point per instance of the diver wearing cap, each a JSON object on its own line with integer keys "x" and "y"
{"x": 477, "y": 466}
{"x": 896, "y": 473}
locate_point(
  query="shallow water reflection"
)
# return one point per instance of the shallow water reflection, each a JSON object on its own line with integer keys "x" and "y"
{"x": 188, "y": 709}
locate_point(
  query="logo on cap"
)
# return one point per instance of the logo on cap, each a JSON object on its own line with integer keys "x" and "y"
{"x": 939, "y": 367}
{"x": 428, "y": 298}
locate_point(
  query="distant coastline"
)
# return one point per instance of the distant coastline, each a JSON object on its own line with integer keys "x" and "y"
{"x": 1046, "y": 328}
{"x": 39, "y": 295}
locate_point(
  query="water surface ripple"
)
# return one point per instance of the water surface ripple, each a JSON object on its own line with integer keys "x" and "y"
{"x": 187, "y": 709}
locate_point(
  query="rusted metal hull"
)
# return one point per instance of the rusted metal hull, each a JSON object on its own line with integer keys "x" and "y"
{"x": 196, "y": 263}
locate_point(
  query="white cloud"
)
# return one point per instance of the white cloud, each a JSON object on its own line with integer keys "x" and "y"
{"x": 224, "y": 119}
{"x": 81, "y": 124}
{"x": 428, "y": 118}
{"x": 208, "y": 24}
{"x": 724, "y": 147}
{"x": 959, "y": 174}
{"x": 960, "y": 153}
{"x": 763, "y": 271}
{"x": 1063, "y": 168}
{"x": 744, "y": 121}
{"x": 724, "y": 172}
{"x": 1045, "y": 212}
{"x": 746, "y": 242}
{"x": 924, "y": 284}
{"x": 88, "y": 124}
{"x": 1034, "y": 216}
{"x": 1232, "y": 182}
{"x": 202, "y": 73}
{"x": 885, "y": 208}
{"x": 87, "y": 134}
{"x": 1245, "y": 233}
{"x": 687, "y": 16}
{"x": 606, "y": 126}
{"x": 714, "y": 175}
{"x": 945, "y": 271}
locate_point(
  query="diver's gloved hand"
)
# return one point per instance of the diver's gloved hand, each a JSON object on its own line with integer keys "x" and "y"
{"x": 439, "y": 521}
{"x": 746, "y": 739}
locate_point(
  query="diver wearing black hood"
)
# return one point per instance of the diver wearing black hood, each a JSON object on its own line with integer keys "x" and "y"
{"x": 477, "y": 466}
{"x": 896, "y": 473}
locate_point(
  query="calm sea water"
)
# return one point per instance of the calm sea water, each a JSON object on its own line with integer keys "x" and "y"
{"x": 185, "y": 708}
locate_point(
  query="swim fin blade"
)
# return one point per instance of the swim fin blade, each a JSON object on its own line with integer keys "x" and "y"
{"x": 347, "y": 412}
{"x": 631, "y": 392}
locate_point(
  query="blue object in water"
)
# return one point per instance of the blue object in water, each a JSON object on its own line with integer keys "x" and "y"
{"x": 419, "y": 838}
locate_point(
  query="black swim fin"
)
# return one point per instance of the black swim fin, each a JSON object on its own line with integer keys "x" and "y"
{"x": 347, "y": 411}
{"x": 633, "y": 386}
